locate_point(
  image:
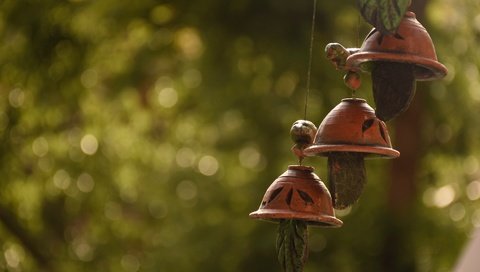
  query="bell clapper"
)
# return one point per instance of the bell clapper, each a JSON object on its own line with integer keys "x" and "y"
{"x": 347, "y": 177}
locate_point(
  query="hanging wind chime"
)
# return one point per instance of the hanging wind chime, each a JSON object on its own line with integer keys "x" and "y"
{"x": 298, "y": 198}
{"x": 397, "y": 52}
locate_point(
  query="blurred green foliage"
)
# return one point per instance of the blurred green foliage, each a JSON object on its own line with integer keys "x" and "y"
{"x": 138, "y": 135}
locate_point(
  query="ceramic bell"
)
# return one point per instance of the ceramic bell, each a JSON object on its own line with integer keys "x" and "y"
{"x": 349, "y": 133}
{"x": 411, "y": 44}
{"x": 352, "y": 127}
{"x": 298, "y": 194}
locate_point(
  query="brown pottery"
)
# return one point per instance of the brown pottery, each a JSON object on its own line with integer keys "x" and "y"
{"x": 352, "y": 127}
{"x": 298, "y": 194}
{"x": 412, "y": 44}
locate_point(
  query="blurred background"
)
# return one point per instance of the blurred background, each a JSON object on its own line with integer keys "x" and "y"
{"x": 139, "y": 135}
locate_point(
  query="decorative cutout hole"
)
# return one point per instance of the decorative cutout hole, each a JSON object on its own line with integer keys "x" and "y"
{"x": 289, "y": 197}
{"x": 274, "y": 194}
{"x": 382, "y": 132}
{"x": 367, "y": 124}
{"x": 306, "y": 197}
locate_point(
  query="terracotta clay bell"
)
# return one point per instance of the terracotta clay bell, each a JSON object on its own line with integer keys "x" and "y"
{"x": 352, "y": 127}
{"x": 298, "y": 194}
{"x": 411, "y": 44}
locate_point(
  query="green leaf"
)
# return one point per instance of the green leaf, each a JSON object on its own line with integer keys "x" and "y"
{"x": 384, "y": 15}
{"x": 292, "y": 245}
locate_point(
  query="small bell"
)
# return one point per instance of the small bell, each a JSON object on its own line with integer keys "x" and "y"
{"x": 352, "y": 127}
{"x": 298, "y": 194}
{"x": 349, "y": 133}
{"x": 411, "y": 44}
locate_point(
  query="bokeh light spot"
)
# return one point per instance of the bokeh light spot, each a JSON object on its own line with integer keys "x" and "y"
{"x": 476, "y": 218}
{"x": 16, "y": 98}
{"x": 457, "y": 212}
{"x": 13, "y": 255}
{"x": 473, "y": 190}
{"x": 83, "y": 250}
{"x": 317, "y": 242}
{"x": 249, "y": 157}
{"x": 162, "y": 14}
{"x": 476, "y": 22}
{"x": 232, "y": 120}
{"x": 189, "y": 42}
{"x": 89, "y": 144}
{"x": 85, "y": 183}
{"x": 286, "y": 84}
{"x": 40, "y": 147}
{"x": 167, "y": 97}
{"x": 185, "y": 157}
{"x": 130, "y": 263}
{"x": 163, "y": 82}
{"x": 61, "y": 179}
{"x": 186, "y": 190}
{"x": 89, "y": 78}
{"x": 444, "y": 196}
{"x": 470, "y": 165}
{"x": 208, "y": 165}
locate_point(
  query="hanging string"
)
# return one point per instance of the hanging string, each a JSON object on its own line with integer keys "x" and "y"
{"x": 359, "y": 21}
{"x": 309, "y": 70}
{"x": 357, "y": 43}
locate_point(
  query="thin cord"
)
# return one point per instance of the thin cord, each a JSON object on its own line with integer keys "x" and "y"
{"x": 309, "y": 71}
{"x": 359, "y": 21}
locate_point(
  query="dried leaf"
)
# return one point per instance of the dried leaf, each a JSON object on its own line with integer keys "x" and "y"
{"x": 347, "y": 177}
{"x": 292, "y": 245}
{"x": 384, "y": 15}
{"x": 393, "y": 86}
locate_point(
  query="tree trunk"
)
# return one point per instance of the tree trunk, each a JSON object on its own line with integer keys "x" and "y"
{"x": 398, "y": 254}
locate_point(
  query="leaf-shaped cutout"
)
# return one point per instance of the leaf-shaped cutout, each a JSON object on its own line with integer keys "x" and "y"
{"x": 289, "y": 197}
{"x": 382, "y": 132}
{"x": 385, "y": 15}
{"x": 275, "y": 194}
{"x": 305, "y": 196}
{"x": 367, "y": 124}
{"x": 292, "y": 245}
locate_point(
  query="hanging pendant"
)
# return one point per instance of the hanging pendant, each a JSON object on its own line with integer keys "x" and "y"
{"x": 352, "y": 127}
{"x": 298, "y": 194}
{"x": 412, "y": 44}
{"x": 348, "y": 134}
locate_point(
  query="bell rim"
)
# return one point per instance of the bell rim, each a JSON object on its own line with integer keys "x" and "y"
{"x": 375, "y": 151}
{"x": 312, "y": 220}
{"x": 304, "y": 168}
{"x": 437, "y": 69}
